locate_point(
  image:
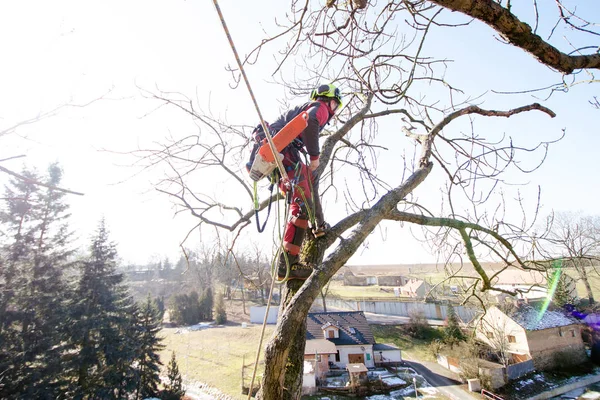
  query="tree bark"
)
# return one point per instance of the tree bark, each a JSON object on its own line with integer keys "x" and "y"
{"x": 520, "y": 34}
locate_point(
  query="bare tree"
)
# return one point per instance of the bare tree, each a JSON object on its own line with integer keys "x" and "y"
{"x": 575, "y": 240}
{"x": 378, "y": 62}
{"x": 12, "y": 130}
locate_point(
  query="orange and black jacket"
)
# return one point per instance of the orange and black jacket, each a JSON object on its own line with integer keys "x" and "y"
{"x": 319, "y": 114}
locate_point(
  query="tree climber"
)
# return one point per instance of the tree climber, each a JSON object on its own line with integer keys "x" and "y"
{"x": 303, "y": 195}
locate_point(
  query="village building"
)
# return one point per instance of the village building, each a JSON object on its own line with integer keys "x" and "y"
{"x": 549, "y": 338}
{"x": 337, "y": 340}
{"x": 416, "y": 288}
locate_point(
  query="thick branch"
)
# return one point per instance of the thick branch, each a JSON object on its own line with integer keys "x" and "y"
{"x": 428, "y": 141}
{"x": 519, "y": 34}
{"x": 38, "y": 183}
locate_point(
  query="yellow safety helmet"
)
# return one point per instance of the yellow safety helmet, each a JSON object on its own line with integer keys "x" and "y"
{"x": 329, "y": 91}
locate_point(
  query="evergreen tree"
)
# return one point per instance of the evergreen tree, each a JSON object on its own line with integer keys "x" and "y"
{"x": 17, "y": 248}
{"x": 452, "y": 331}
{"x": 185, "y": 309}
{"x": 173, "y": 386}
{"x": 221, "y": 314}
{"x": 206, "y": 305}
{"x": 32, "y": 303}
{"x": 159, "y": 304}
{"x": 103, "y": 329}
{"x": 149, "y": 325}
{"x": 560, "y": 286}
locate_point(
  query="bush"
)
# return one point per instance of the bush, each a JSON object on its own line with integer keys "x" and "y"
{"x": 436, "y": 347}
{"x": 417, "y": 325}
{"x": 221, "y": 314}
{"x": 184, "y": 309}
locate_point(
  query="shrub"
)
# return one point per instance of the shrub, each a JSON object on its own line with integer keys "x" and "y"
{"x": 221, "y": 314}
{"x": 417, "y": 325}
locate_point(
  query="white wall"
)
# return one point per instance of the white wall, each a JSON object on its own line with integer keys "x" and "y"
{"x": 496, "y": 322}
{"x": 309, "y": 383}
{"x": 356, "y": 349}
{"x": 389, "y": 355}
{"x": 257, "y": 315}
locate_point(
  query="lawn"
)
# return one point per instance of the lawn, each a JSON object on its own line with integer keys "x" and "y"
{"x": 214, "y": 356}
{"x": 416, "y": 349}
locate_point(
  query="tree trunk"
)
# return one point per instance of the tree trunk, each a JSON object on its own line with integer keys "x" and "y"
{"x": 284, "y": 355}
{"x": 584, "y": 277}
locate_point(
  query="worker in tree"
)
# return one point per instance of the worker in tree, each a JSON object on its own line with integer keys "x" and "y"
{"x": 303, "y": 193}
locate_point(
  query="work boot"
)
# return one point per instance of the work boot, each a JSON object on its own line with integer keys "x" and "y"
{"x": 297, "y": 270}
{"x": 320, "y": 230}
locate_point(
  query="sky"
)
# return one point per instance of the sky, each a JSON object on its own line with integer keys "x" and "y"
{"x": 100, "y": 59}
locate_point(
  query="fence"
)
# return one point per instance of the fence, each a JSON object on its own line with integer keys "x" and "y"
{"x": 489, "y": 395}
{"x": 451, "y": 363}
{"x": 403, "y": 308}
{"x": 515, "y": 371}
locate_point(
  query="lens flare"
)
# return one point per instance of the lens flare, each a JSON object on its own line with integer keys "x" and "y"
{"x": 556, "y": 274}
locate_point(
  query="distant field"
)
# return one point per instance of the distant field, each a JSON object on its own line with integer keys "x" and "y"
{"x": 338, "y": 289}
{"x": 434, "y": 274}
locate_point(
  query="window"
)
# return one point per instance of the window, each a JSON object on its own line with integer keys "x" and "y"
{"x": 337, "y": 356}
{"x": 368, "y": 356}
{"x": 318, "y": 358}
{"x": 560, "y": 332}
{"x": 512, "y": 339}
{"x": 331, "y": 334}
{"x": 572, "y": 332}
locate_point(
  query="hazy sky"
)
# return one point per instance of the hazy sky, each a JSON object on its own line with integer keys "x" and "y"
{"x": 79, "y": 51}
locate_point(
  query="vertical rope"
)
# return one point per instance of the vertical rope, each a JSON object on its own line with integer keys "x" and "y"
{"x": 241, "y": 67}
{"x": 279, "y": 166}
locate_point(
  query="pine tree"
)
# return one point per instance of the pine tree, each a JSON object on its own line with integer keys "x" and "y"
{"x": 206, "y": 305}
{"x": 173, "y": 386}
{"x": 32, "y": 306}
{"x": 17, "y": 248}
{"x": 159, "y": 304}
{"x": 221, "y": 314}
{"x": 103, "y": 331}
{"x": 149, "y": 324}
{"x": 452, "y": 331}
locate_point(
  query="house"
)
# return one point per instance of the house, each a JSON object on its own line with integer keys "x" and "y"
{"x": 392, "y": 280}
{"x": 522, "y": 332}
{"x": 415, "y": 288}
{"x": 348, "y": 331}
{"x": 351, "y": 335}
{"x": 350, "y": 279}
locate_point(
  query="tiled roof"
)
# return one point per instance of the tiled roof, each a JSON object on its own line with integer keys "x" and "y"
{"x": 352, "y": 325}
{"x": 534, "y": 319}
